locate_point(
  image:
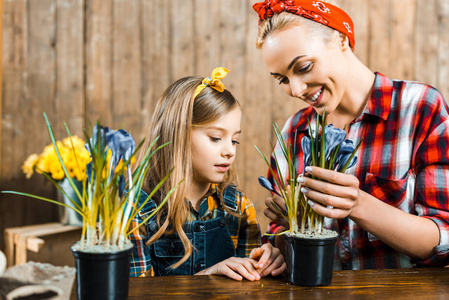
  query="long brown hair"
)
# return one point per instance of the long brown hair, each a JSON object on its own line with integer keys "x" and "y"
{"x": 176, "y": 113}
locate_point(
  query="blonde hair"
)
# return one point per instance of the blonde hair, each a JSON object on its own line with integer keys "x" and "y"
{"x": 176, "y": 113}
{"x": 286, "y": 20}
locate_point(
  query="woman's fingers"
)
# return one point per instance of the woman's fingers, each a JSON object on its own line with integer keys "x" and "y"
{"x": 332, "y": 176}
{"x": 273, "y": 213}
{"x": 328, "y": 200}
{"x": 330, "y": 193}
{"x": 329, "y": 212}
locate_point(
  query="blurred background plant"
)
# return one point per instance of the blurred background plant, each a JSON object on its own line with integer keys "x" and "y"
{"x": 74, "y": 156}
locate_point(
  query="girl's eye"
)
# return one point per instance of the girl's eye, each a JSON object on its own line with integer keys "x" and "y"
{"x": 213, "y": 139}
{"x": 235, "y": 143}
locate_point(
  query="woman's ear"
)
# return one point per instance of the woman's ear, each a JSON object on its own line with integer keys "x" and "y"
{"x": 343, "y": 42}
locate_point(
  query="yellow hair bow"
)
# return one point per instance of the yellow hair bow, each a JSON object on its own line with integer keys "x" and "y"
{"x": 213, "y": 81}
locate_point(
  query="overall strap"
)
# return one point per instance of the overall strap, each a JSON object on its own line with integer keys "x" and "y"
{"x": 230, "y": 196}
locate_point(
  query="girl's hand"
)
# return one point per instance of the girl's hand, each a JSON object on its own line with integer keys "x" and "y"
{"x": 235, "y": 268}
{"x": 339, "y": 190}
{"x": 272, "y": 213}
{"x": 270, "y": 260}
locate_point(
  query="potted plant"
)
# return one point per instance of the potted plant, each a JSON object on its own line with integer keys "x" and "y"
{"x": 309, "y": 246}
{"x": 102, "y": 256}
{"x": 75, "y": 158}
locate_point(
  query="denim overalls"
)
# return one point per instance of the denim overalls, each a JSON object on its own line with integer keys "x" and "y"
{"x": 211, "y": 240}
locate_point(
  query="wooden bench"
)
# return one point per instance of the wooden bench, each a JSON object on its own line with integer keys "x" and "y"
{"x": 18, "y": 240}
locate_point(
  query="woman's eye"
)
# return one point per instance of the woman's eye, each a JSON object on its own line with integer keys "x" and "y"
{"x": 283, "y": 80}
{"x": 213, "y": 139}
{"x": 305, "y": 68}
{"x": 235, "y": 143}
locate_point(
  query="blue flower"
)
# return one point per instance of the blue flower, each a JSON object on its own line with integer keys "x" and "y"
{"x": 104, "y": 138}
{"x": 334, "y": 136}
{"x": 344, "y": 153}
{"x": 122, "y": 146}
{"x": 267, "y": 184}
{"x": 306, "y": 150}
{"x": 89, "y": 171}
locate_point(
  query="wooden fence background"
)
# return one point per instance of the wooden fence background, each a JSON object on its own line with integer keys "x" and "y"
{"x": 83, "y": 60}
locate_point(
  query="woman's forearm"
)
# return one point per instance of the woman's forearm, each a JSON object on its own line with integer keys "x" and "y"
{"x": 409, "y": 234}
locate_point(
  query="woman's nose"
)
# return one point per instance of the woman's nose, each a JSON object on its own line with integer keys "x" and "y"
{"x": 297, "y": 87}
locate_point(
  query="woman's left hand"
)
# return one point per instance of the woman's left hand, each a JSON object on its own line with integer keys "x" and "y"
{"x": 270, "y": 260}
{"x": 333, "y": 194}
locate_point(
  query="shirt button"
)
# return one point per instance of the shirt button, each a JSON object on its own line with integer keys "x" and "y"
{"x": 222, "y": 221}
{"x": 198, "y": 227}
{"x": 198, "y": 267}
{"x": 344, "y": 232}
{"x": 153, "y": 227}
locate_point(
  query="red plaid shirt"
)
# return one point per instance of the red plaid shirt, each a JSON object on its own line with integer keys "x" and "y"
{"x": 403, "y": 161}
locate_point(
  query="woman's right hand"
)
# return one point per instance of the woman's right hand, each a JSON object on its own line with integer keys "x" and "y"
{"x": 273, "y": 214}
{"x": 235, "y": 268}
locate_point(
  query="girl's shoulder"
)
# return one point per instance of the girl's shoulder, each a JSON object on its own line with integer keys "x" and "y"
{"x": 236, "y": 200}
{"x": 231, "y": 197}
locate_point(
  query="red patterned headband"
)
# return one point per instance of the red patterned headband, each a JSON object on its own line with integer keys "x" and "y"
{"x": 321, "y": 12}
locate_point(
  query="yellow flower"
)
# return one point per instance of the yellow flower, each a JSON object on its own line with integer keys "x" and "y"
{"x": 28, "y": 165}
{"x": 74, "y": 156}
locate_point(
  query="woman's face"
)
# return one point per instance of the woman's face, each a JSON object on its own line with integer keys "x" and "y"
{"x": 214, "y": 148}
{"x": 307, "y": 67}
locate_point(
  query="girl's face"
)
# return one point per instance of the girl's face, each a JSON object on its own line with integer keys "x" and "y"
{"x": 307, "y": 67}
{"x": 214, "y": 148}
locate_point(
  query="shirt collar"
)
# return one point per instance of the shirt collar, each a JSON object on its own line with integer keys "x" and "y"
{"x": 379, "y": 103}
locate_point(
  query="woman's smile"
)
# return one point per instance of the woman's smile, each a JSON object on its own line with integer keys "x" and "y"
{"x": 315, "y": 98}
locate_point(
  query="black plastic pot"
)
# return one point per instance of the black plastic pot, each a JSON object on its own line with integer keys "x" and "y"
{"x": 309, "y": 261}
{"x": 102, "y": 275}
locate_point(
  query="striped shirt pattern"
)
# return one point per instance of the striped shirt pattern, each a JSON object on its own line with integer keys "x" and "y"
{"x": 402, "y": 161}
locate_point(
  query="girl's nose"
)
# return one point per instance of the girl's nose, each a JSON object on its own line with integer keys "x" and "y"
{"x": 297, "y": 87}
{"x": 229, "y": 149}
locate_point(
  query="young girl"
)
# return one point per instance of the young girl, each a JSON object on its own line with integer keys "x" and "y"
{"x": 392, "y": 210}
{"x": 207, "y": 226}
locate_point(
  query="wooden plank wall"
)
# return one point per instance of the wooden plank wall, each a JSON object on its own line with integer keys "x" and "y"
{"x": 83, "y": 60}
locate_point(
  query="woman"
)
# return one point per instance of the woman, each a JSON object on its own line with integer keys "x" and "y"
{"x": 391, "y": 209}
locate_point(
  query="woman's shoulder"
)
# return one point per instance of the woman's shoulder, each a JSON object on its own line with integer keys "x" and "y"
{"x": 299, "y": 120}
{"x": 413, "y": 92}
{"x": 409, "y": 97}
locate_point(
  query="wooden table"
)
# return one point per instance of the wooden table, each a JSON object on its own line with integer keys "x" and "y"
{"x": 364, "y": 284}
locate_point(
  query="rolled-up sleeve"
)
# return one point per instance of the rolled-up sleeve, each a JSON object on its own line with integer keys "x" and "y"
{"x": 432, "y": 189}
